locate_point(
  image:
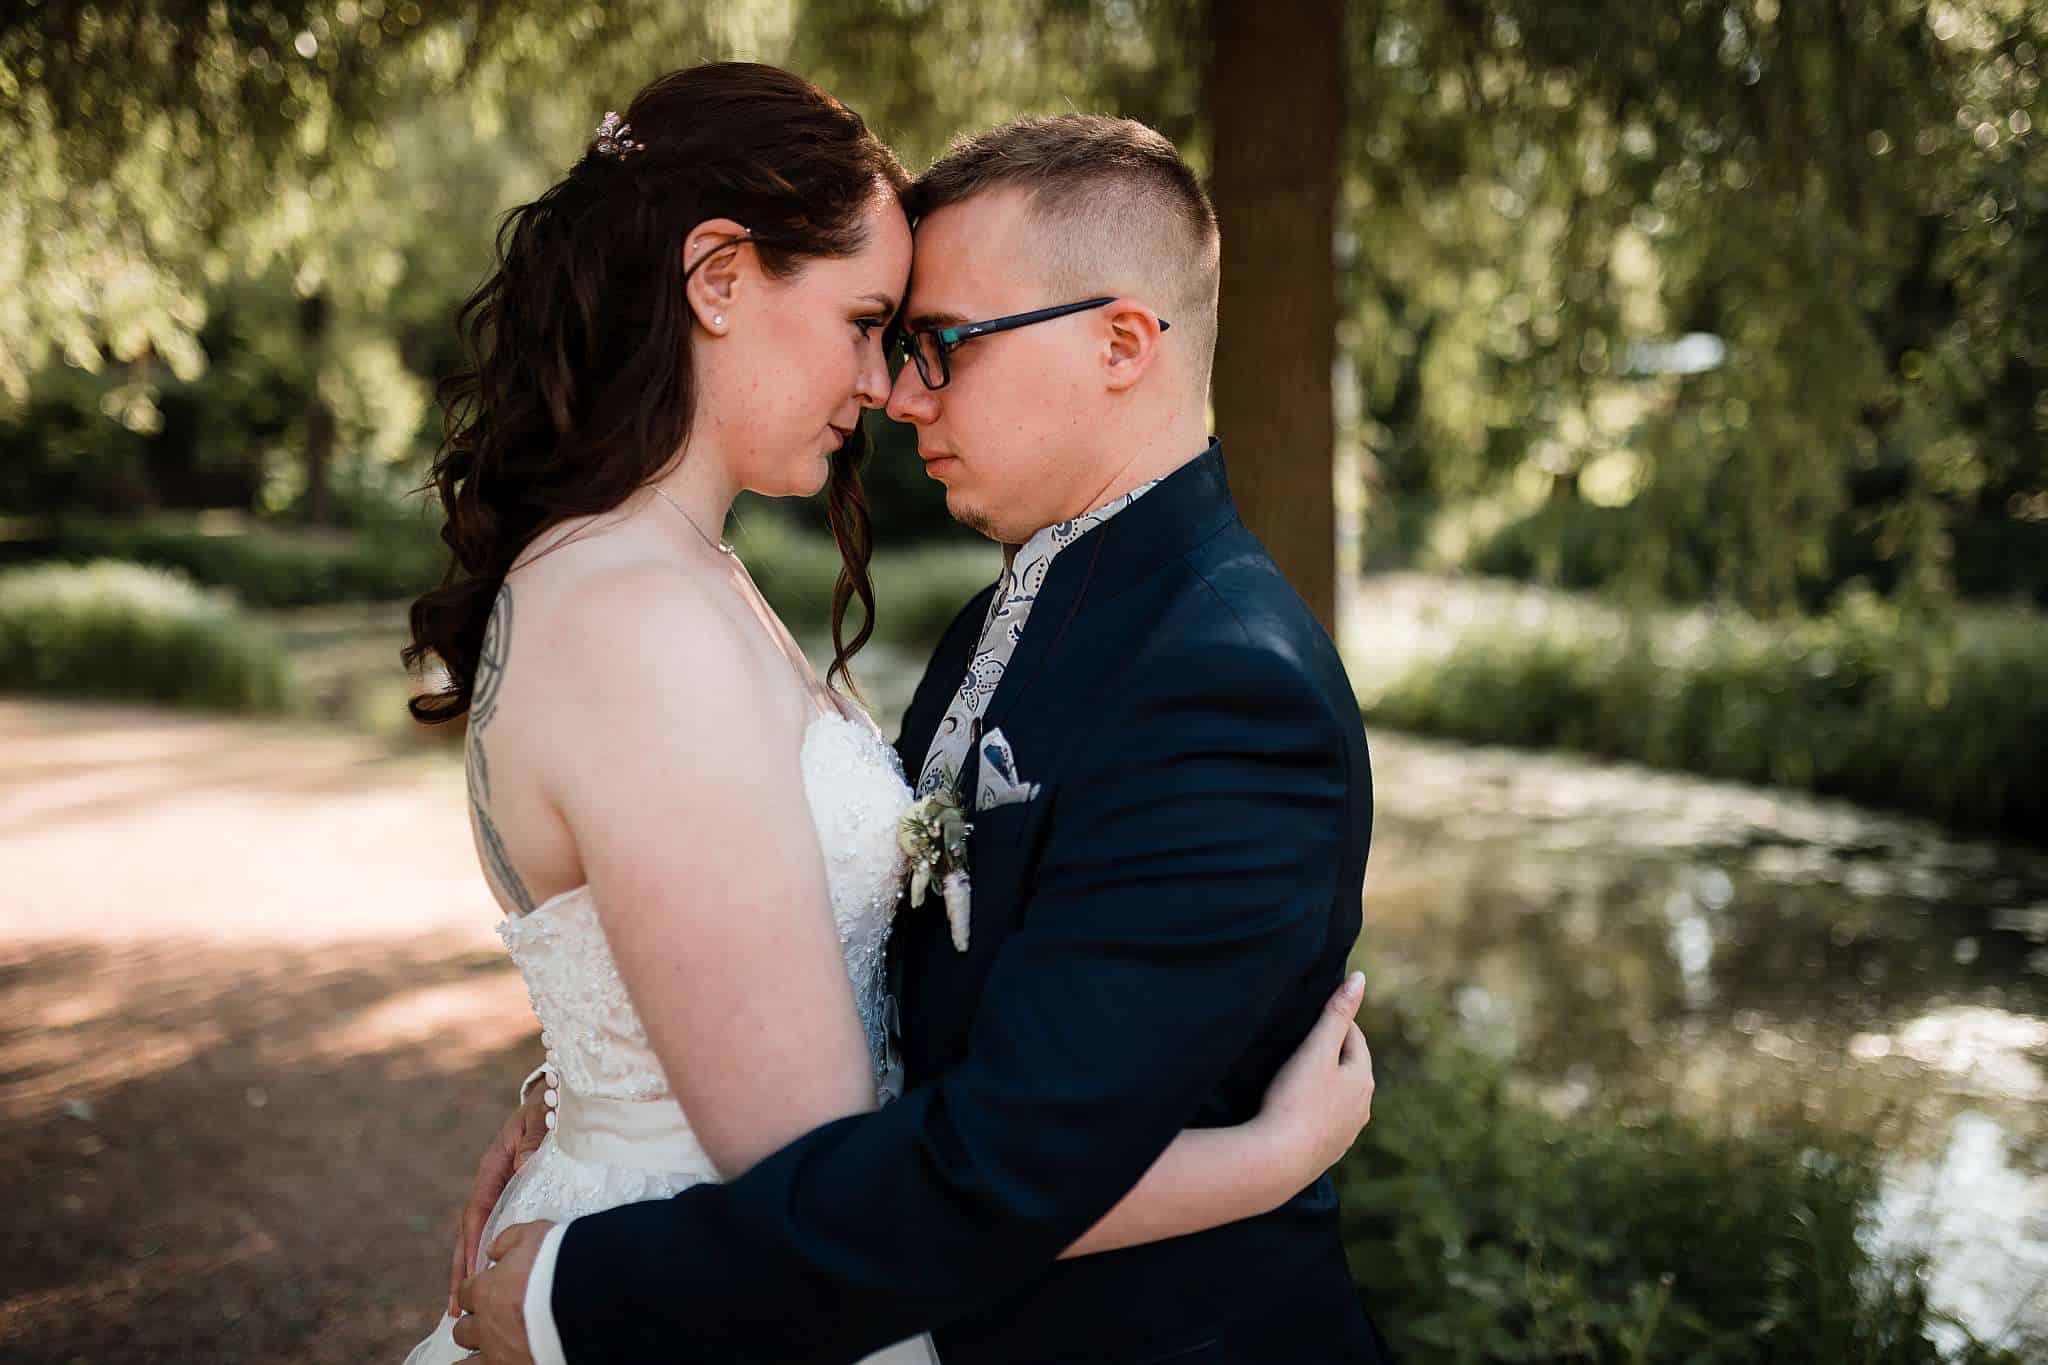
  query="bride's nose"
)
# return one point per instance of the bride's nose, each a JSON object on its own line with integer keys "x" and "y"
{"x": 871, "y": 384}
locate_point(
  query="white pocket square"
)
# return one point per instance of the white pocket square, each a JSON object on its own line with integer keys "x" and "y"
{"x": 999, "y": 784}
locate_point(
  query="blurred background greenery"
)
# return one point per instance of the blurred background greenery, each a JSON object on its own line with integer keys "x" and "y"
{"x": 1664, "y": 382}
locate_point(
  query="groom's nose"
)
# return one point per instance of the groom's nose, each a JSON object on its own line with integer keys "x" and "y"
{"x": 910, "y": 400}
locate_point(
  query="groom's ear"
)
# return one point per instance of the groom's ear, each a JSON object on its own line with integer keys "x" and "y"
{"x": 716, "y": 268}
{"x": 1132, "y": 343}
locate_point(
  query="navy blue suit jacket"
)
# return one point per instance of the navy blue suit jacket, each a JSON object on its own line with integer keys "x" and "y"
{"x": 1152, "y": 936}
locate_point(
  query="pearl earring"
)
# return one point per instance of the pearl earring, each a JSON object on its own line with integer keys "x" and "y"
{"x": 718, "y": 319}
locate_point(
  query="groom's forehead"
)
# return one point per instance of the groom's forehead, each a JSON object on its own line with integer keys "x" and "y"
{"x": 966, "y": 261}
{"x": 944, "y": 289}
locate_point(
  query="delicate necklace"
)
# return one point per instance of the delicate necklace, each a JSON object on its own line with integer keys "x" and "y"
{"x": 717, "y": 545}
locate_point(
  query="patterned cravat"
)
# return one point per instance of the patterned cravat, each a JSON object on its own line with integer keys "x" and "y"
{"x": 1008, "y": 611}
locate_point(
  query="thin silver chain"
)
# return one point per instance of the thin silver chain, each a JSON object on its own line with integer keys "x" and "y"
{"x": 717, "y": 545}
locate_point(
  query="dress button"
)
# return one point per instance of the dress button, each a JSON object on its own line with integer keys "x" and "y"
{"x": 551, "y": 1097}
{"x": 551, "y": 1120}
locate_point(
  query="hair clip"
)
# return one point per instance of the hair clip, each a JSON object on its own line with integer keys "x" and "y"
{"x": 614, "y": 138}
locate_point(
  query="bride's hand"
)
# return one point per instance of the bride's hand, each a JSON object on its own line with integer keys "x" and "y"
{"x": 1322, "y": 1098}
{"x": 516, "y": 1141}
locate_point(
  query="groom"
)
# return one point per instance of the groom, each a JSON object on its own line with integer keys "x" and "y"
{"x": 1171, "y": 807}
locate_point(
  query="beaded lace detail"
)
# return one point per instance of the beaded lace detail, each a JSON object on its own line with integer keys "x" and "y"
{"x": 857, "y": 793}
{"x": 593, "y": 1036}
{"x": 598, "y": 1050}
{"x": 854, "y": 783}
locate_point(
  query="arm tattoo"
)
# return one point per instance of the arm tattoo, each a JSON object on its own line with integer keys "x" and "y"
{"x": 483, "y": 704}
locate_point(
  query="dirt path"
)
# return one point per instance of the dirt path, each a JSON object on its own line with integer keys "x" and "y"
{"x": 254, "y": 1028}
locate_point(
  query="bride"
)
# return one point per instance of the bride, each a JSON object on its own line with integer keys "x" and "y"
{"x": 693, "y": 838}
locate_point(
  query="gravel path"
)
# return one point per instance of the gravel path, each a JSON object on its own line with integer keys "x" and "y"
{"x": 254, "y": 1029}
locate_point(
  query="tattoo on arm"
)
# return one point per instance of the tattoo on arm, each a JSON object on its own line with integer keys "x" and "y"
{"x": 483, "y": 704}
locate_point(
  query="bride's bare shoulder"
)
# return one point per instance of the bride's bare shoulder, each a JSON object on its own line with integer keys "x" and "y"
{"x": 606, "y": 613}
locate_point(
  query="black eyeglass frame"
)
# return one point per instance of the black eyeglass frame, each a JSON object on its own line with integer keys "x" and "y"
{"x": 945, "y": 339}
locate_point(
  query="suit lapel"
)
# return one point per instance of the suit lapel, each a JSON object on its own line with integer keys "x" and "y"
{"x": 917, "y": 934}
{"x": 1059, "y": 599}
{"x": 1188, "y": 505}
{"x": 942, "y": 679}
{"x": 936, "y": 984}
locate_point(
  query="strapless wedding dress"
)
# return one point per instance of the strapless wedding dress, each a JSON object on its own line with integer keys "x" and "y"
{"x": 618, "y": 1136}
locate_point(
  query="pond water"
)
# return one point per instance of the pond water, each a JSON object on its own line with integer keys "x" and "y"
{"x": 1630, "y": 938}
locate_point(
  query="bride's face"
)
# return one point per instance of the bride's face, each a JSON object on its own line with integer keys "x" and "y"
{"x": 785, "y": 365}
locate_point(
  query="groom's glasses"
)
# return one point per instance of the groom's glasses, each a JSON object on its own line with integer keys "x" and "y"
{"x": 928, "y": 348}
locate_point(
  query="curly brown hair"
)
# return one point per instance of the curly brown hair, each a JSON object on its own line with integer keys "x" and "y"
{"x": 578, "y": 388}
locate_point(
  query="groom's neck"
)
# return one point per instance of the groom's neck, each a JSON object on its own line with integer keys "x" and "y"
{"x": 1140, "y": 458}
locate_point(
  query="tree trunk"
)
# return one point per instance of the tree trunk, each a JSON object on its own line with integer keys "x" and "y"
{"x": 319, "y": 420}
{"x": 1276, "y": 91}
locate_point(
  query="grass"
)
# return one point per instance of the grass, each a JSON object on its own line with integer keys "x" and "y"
{"x": 127, "y": 632}
{"x": 1946, "y": 717}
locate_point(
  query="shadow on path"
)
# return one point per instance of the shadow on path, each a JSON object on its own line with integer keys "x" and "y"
{"x": 221, "y": 1155}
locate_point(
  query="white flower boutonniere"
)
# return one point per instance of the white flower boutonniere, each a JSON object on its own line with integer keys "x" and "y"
{"x": 933, "y": 835}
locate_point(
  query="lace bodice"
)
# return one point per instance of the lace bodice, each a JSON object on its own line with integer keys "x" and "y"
{"x": 616, "y": 1133}
{"x": 594, "y": 1038}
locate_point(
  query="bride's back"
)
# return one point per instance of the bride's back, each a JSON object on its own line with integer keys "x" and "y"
{"x": 584, "y": 593}
{"x": 656, "y": 950}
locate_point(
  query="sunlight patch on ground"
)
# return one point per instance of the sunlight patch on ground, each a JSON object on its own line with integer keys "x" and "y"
{"x": 449, "y": 1027}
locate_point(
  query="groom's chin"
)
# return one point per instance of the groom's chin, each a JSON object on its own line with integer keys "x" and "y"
{"x": 970, "y": 516}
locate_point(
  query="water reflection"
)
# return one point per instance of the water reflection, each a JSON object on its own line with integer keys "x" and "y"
{"x": 1632, "y": 939}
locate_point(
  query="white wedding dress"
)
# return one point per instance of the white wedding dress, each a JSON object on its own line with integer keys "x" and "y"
{"x": 618, "y": 1135}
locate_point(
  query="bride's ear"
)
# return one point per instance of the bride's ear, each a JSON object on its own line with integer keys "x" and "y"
{"x": 717, "y": 270}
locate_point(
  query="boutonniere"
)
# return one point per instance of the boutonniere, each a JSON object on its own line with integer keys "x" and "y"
{"x": 933, "y": 835}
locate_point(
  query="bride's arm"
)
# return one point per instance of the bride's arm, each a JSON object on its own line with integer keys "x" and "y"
{"x": 1312, "y": 1112}
{"x": 696, "y": 838}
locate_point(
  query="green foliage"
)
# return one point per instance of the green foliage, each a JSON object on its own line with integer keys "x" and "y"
{"x": 265, "y": 567}
{"x": 1487, "y": 1230}
{"x": 1853, "y": 203}
{"x": 1947, "y": 716}
{"x": 123, "y": 631}
{"x": 918, "y": 589}
{"x": 1569, "y": 543}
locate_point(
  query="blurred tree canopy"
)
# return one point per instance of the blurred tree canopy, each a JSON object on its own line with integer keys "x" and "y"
{"x": 1848, "y": 196}
{"x": 237, "y": 232}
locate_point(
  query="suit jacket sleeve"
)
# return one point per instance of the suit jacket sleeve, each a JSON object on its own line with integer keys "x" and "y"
{"x": 1183, "y": 893}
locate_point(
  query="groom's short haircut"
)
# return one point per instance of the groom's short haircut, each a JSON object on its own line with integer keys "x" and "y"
{"x": 1119, "y": 213}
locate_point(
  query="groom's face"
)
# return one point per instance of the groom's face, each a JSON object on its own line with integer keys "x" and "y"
{"x": 1009, "y": 436}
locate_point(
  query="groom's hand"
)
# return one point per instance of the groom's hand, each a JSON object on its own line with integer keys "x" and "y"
{"x": 493, "y": 1301}
{"x": 516, "y": 1141}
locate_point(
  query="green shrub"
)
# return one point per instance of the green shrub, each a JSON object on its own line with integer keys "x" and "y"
{"x": 1945, "y": 717}
{"x": 114, "y": 630}
{"x": 265, "y": 567}
{"x": 1484, "y": 1229}
{"x": 918, "y": 591}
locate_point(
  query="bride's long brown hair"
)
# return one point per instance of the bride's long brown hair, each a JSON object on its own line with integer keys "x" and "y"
{"x": 578, "y": 387}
